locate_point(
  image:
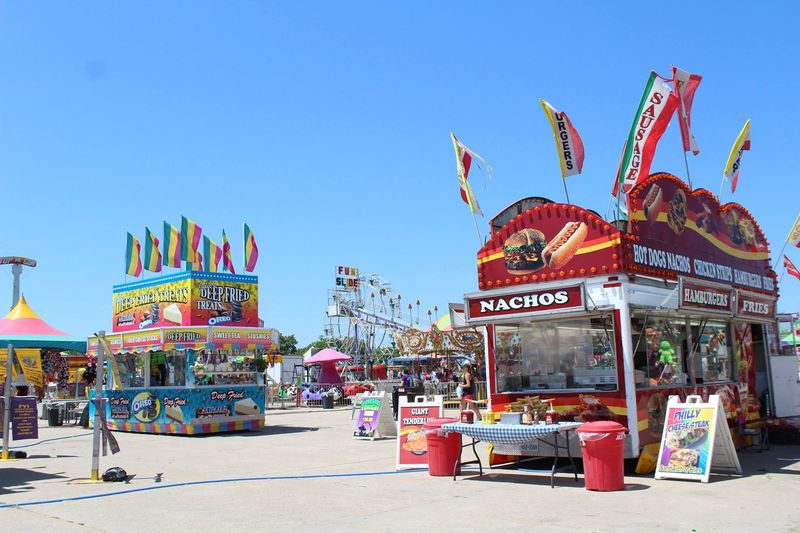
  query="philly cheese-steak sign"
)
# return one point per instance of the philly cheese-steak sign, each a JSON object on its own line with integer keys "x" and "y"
{"x": 483, "y": 307}
{"x": 675, "y": 231}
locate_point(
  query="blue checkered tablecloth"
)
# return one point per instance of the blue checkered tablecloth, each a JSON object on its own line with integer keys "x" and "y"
{"x": 507, "y": 433}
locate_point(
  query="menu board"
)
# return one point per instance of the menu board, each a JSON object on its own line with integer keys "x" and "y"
{"x": 412, "y": 443}
{"x": 696, "y": 438}
{"x": 368, "y": 416}
{"x": 24, "y": 419}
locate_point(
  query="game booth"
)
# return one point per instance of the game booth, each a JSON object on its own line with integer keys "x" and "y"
{"x": 608, "y": 321}
{"x": 187, "y": 355}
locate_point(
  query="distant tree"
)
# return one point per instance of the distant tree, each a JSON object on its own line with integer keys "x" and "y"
{"x": 288, "y": 344}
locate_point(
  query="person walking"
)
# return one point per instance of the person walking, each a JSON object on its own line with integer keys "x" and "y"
{"x": 468, "y": 390}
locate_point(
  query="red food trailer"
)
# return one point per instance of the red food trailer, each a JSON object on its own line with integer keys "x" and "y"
{"x": 610, "y": 320}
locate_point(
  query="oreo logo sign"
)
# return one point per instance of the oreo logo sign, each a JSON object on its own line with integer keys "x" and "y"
{"x": 146, "y": 407}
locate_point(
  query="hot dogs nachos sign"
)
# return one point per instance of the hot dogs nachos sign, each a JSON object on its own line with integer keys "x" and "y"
{"x": 488, "y": 306}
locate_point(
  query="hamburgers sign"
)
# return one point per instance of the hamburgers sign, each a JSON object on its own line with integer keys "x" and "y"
{"x": 527, "y": 303}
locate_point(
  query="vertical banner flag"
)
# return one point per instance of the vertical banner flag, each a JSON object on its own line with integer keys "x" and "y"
{"x": 172, "y": 246}
{"x": 213, "y": 254}
{"x": 133, "y": 261}
{"x": 190, "y": 241}
{"x": 152, "y": 256}
{"x": 734, "y": 163}
{"x": 790, "y": 268}
{"x": 794, "y": 235}
{"x": 652, "y": 118}
{"x": 569, "y": 145}
{"x": 227, "y": 262}
{"x": 250, "y": 250}
{"x": 463, "y": 164}
{"x": 198, "y": 262}
{"x": 684, "y": 86}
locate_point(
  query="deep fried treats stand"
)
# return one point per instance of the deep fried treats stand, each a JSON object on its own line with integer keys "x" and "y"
{"x": 610, "y": 321}
{"x": 187, "y": 355}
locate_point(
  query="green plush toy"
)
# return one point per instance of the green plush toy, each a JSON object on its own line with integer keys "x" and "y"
{"x": 666, "y": 354}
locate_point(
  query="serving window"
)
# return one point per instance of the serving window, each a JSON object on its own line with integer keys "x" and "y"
{"x": 574, "y": 353}
{"x": 659, "y": 347}
{"x": 711, "y": 360}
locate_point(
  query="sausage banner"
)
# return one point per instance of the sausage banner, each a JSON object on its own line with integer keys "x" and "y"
{"x": 652, "y": 118}
{"x": 569, "y": 145}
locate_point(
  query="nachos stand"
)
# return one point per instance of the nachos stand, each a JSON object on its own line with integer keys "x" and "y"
{"x": 187, "y": 355}
{"x": 607, "y": 321}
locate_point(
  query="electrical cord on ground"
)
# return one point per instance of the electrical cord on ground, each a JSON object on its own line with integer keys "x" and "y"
{"x": 49, "y": 440}
{"x": 207, "y": 482}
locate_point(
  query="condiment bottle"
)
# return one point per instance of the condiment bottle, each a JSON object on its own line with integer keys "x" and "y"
{"x": 551, "y": 415}
{"x": 536, "y": 417}
{"x": 527, "y": 419}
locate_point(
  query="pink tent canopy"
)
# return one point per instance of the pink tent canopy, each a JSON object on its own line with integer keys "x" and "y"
{"x": 25, "y": 329}
{"x": 327, "y": 359}
{"x": 328, "y": 355}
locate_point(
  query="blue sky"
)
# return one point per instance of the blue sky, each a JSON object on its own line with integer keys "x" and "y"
{"x": 325, "y": 127}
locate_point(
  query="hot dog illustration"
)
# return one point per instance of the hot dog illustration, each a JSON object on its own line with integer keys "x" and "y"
{"x": 652, "y": 203}
{"x": 563, "y": 247}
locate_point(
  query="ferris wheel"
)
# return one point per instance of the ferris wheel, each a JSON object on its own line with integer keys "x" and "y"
{"x": 363, "y": 314}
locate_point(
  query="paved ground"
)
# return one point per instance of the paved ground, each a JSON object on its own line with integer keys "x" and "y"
{"x": 299, "y": 445}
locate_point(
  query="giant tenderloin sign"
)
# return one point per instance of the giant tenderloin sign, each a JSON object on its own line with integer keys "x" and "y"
{"x": 679, "y": 232}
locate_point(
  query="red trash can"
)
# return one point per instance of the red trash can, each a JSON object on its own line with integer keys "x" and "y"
{"x": 443, "y": 451}
{"x": 603, "y": 448}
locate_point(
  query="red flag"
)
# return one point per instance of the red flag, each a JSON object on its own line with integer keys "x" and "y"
{"x": 790, "y": 268}
{"x": 684, "y": 86}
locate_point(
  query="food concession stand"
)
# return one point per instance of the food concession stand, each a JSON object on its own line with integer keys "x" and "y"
{"x": 609, "y": 320}
{"x": 187, "y": 355}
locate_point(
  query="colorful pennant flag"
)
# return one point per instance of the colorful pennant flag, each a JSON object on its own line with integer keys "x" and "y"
{"x": 250, "y": 250}
{"x": 652, "y": 118}
{"x": 227, "y": 262}
{"x": 152, "y": 256}
{"x": 190, "y": 233}
{"x": 733, "y": 165}
{"x": 794, "y": 235}
{"x": 463, "y": 163}
{"x": 133, "y": 261}
{"x": 569, "y": 145}
{"x": 213, "y": 254}
{"x": 172, "y": 246}
{"x": 790, "y": 268}
{"x": 684, "y": 86}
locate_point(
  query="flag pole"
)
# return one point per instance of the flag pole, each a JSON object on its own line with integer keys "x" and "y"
{"x": 721, "y": 186}
{"x": 780, "y": 254}
{"x": 564, "y": 180}
{"x": 477, "y": 231}
{"x": 686, "y": 162}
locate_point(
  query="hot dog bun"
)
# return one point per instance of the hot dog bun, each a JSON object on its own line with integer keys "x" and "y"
{"x": 563, "y": 246}
{"x": 652, "y": 203}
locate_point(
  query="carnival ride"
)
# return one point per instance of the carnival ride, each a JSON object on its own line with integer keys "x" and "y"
{"x": 363, "y": 320}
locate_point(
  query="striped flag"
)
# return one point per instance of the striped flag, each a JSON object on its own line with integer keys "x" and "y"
{"x": 213, "y": 254}
{"x": 198, "y": 263}
{"x": 172, "y": 246}
{"x": 733, "y": 165}
{"x": 790, "y": 268}
{"x": 227, "y": 262}
{"x": 684, "y": 86}
{"x": 794, "y": 235}
{"x": 133, "y": 261}
{"x": 463, "y": 163}
{"x": 152, "y": 256}
{"x": 190, "y": 242}
{"x": 652, "y": 118}
{"x": 569, "y": 145}
{"x": 250, "y": 250}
